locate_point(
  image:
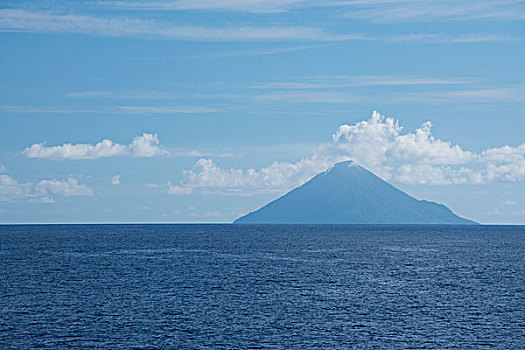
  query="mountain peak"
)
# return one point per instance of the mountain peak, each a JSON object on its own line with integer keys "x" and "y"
{"x": 348, "y": 193}
{"x": 347, "y": 163}
{"x": 344, "y": 164}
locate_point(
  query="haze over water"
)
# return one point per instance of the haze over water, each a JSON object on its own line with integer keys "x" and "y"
{"x": 274, "y": 286}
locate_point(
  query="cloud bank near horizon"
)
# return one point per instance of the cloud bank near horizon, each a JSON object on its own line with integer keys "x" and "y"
{"x": 379, "y": 144}
{"x": 43, "y": 191}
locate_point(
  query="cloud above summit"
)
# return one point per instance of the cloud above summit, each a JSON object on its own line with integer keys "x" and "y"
{"x": 381, "y": 145}
{"x": 381, "y": 140}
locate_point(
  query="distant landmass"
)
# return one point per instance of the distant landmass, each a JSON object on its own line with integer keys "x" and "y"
{"x": 349, "y": 194}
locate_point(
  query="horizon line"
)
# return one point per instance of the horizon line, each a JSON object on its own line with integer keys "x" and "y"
{"x": 241, "y": 224}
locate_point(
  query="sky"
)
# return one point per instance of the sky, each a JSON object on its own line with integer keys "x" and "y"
{"x": 205, "y": 110}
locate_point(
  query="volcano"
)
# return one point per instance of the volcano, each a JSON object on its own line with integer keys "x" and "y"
{"x": 349, "y": 194}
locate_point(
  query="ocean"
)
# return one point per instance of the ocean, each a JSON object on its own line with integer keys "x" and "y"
{"x": 262, "y": 287}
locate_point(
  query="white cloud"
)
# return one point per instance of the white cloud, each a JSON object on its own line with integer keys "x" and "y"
{"x": 54, "y": 110}
{"x": 447, "y": 39}
{"x": 105, "y": 148}
{"x": 43, "y": 191}
{"x": 178, "y": 190}
{"x": 10, "y": 188}
{"x": 339, "y": 90}
{"x": 144, "y": 110}
{"x": 208, "y": 177}
{"x": 47, "y": 200}
{"x": 201, "y": 154}
{"x": 507, "y": 172}
{"x": 418, "y": 157}
{"x": 20, "y": 20}
{"x": 115, "y": 180}
{"x": 49, "y": 22}
{"x": 230, "y": 155}
{"x": 147, "y": 145}
{"x": 3, "y": 169}
{"x": 348, "y": 81}
{"x": 65, "y": 188}
{"x": 311, "y": 97}
{"x": 505, "y": 153}
{"x": 372, "y": 10}
{"x": 264, "y": 52}
{"x": 428, "y": 174}
{"x": 512, "y": 93}
{"x": 380, "y": 145}
{"x": 191, "y": 153}
{"x": 388, "y": 11}
{"x": 250, "y": 6}
{"x": 168, "y": 109}
{"x": 379, "y": 140}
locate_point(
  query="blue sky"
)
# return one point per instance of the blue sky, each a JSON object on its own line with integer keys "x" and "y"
{"x": 201, "y": 111}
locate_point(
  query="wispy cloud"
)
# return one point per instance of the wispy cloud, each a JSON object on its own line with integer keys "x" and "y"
{"x": 437, "y": 10}
{"x": 249, "y": 6}
{"x": 340, "y": 90}
{"x": 342, "y": 81}
{"x": 50, "y": 110}
{"x": 259, "y": 52}
{"x": 311, "y": 97}
{"x": 197, "y": 153}
{"x": 381, "y": 11}
{"x": 446, "y": 39}
{"x": 168, "y": 109}
{"x": 149, "y": 95}
{"x": 19, "y": 20}
{"x": 48, "y": 22}
{"x": 275, "y": 95}
{"x": 183, "y": 109}
{"x": 509, "y": 94}
{"x": 191, "y": 153}
{"x": 234, "y": 53}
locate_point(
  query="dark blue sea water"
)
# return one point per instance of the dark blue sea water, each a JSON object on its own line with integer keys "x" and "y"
{"x": 275, "y": 287}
